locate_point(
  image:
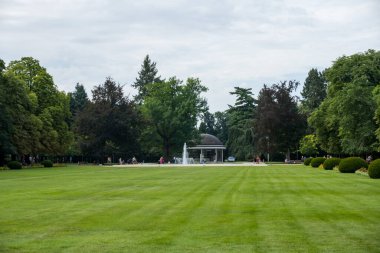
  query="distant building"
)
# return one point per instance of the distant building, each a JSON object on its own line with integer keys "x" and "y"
{"x": 210, "y": 149}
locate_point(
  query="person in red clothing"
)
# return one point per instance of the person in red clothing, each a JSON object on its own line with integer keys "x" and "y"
{"x": 162, "y": 160}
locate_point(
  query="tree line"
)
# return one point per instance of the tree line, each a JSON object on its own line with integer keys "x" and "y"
{"x": 337, "y": 113}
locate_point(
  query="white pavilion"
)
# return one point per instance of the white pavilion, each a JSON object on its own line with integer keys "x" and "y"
{"x": 210, "y": 149}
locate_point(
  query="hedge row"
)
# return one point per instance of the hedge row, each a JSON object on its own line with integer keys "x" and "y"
{"x": 346, "y": 165}
{"x": 15, "y": 165}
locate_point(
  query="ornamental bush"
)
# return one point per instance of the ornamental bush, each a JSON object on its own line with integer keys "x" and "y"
{"x": 307, "y": 161}
{"x": 330, "y": 163}
{"x": 315, "y": 162}
{"x": 374, "y": 169}
{"x": 47, "y": 163}
{"x": 352, "y": 164}
{"x": 14, "y": 165}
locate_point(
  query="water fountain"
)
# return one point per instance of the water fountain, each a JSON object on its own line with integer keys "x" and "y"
{"x": 184, "y": 154}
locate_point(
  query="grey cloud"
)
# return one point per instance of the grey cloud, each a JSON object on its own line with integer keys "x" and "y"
{"x": 225, "y": 43}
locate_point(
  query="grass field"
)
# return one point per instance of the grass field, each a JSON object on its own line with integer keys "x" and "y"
{"x": 198, "y": 209}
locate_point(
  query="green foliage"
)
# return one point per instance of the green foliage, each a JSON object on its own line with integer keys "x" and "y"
{"x": 313, "y": 92}
{"x": 171, "y": 111}
{"x": 240, "y": 124}
{"x": 344, "y": 122}
{"x": 215, "y": 124}
{"x": 330, "y": 163}
{"x": 110, "y": 124}
{"x": 352, "y": 164}
{"x": 38, "y": 113}
{"x": 147, "y": 76}
{"x": 207, "y": 125}
{"x": 326, "y": 128}
{"x": 376, "y": 95}
{"x": 221, "y": 128}
{"x": 317, "y": 161}
{"x": 307, "y": 161}
{"x": 14, "y": 165}
{"x": 78, "y": 99}
{"x": 308, "y": 145}
{"x": 374, "y": 169}
{"x": 279, "y": 124}
{"x": 47, "y": 163}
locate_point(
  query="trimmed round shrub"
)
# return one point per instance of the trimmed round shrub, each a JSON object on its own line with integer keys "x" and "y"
{"x": 374, "y": 169}
{"x": 47, "y": 163}
{"x": 307, "y": 161}
{"x": 14, "y": 165}
{"x": 330, "y": 163}
{"x": 315, "y": 162}
{"x": 352, "y": 164}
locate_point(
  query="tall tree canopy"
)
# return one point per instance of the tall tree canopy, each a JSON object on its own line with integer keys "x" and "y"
{"x": 109, "y": 124}
{"x": 240, "y": 122}
{"x": 147, "y": 75}
{"x": 172, "y": 110}
{"x": 215, "y": 124}
{"x": 221, "y": 128}
{"x": 78, "y": 99}
{"x": 345, "y": 120}
{"x": 207, "y": 125}
{"x": 279, "y": 124}
{"x": 46, "y": 130}
{"x": 313, "y": 92}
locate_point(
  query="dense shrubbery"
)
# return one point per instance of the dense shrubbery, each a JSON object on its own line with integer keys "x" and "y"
{"x": 352, "y": 164}
{"x": 307, "y": 161}
{"x": 374, "y": 169}
{"x": 14, "y": 165}
{"x": 47, "y": 163}
{"x": 330, "y": 163}
{"x": 315, "y": 162}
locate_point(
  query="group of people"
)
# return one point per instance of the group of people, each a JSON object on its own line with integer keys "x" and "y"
{"x": 129, "y": 161}
{"x": 133, "y": 160}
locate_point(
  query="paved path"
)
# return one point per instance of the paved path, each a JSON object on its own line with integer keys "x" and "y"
{"x": 190, "y": 165}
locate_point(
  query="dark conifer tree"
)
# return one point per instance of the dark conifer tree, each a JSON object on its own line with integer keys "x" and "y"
{"x": 147, "y": 75}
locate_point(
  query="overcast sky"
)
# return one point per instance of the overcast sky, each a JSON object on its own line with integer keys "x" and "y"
{"x": 225, "y": 43}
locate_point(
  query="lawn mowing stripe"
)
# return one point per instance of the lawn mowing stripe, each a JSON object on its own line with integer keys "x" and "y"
{"x": 179, "y": 209}
{"x": 217, "y": 212}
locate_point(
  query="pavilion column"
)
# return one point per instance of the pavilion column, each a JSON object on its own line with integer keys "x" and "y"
{"x": 222, "y": 156}
{"x": 216, "y": 155}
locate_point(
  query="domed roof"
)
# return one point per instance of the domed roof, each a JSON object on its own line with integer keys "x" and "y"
{"x": 210, "y": 140}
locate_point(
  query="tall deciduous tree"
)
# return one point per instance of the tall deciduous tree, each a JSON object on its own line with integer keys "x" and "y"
{"x": 347, "y": 114}
{"x": 313, "y": 92}
{"x": 48, "y": 109}
{"x": 172, "y": 110}
{"x": 279, "y": 123}
{"x": 110, "y": 123}
{"x": 20, "y": 132}
{"x": 221, "y": 128}
{"x": 207, "y": 125}
{"x": 308, "y": 145}
{"x": 147, "y": 75}
{"x": 240, "y": 123}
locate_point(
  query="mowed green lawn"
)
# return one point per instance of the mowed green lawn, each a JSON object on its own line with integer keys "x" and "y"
{"x": 194, "y": 209}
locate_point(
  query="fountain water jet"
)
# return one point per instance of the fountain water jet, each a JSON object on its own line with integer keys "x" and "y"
{"x": 184, "y": 154}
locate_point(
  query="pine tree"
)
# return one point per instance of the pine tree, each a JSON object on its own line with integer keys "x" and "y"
{"x": 78, "y": 99}
{"x": 147, "y": 75}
